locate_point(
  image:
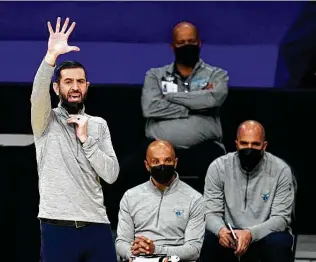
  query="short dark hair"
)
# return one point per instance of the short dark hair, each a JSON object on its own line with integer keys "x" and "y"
{"x": 67, "y": 65}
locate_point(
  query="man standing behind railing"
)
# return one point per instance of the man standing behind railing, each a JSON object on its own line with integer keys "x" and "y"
{"x": 181, "y": 103}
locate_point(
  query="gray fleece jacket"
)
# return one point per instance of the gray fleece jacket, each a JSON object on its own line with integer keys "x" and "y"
{"x": 69, "y": 171}
{"x": 173, "y": 219}
{"x": 189, "y": 116}
{"x": 261, "y": 202}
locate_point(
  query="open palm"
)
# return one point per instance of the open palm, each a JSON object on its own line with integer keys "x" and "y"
{"x": 58, "y": 40}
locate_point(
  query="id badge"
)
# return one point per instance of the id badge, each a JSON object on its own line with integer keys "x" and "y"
{"x": 168, "y": 87}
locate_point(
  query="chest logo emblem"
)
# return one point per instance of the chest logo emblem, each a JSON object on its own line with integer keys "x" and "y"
{"x": 178, "y": 213}
{"x": 265, "y": 197}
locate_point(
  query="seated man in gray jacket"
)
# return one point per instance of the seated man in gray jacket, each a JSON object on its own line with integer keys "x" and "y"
{"x": 253, "y": 191}
{"x": 163, "y": 215}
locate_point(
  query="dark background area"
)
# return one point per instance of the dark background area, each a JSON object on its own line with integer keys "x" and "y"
{"x": 287, "y": 115}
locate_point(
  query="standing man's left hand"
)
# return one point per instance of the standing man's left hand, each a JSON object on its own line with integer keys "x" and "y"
{"x": 81, "y": 125}
{"x": 244, "y": 238}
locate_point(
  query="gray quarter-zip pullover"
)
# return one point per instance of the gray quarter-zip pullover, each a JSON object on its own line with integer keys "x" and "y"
{"x": 69, "y": 172}
{"x": 190, "y": 115}
{"x": 173, "y": 219}
{"x": 261, "y": 201}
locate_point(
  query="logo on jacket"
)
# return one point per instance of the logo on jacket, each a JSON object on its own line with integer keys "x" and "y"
{"x": 199, "y": 82}
{"x": 178, "y": 213}
{"x": 265, "y": 197}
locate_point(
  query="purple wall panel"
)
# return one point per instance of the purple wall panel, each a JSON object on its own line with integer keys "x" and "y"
{"x": 219, "y": 22}
{"x": 121, "y": 40}
{"x": 113, "y": 63}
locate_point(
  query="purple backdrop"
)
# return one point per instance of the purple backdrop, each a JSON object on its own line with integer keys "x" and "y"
{"x": 119, "y": 41}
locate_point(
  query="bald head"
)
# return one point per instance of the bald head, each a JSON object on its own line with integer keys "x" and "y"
{"x": 160, "y": 152}
{"x": 184, "y": 33}
{"x": 251, "y": 134}
{"x": 252, "y": 127}
{"x": 160, "y": 146}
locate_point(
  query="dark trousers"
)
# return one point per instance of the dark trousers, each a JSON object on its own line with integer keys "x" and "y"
{"x": 276, "y": 247}
{"x": 91, "y": 243}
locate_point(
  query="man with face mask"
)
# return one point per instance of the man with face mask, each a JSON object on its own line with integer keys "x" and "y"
{"x": 253, "y": 191}
{"x": 181, "y": 103}
{"x": 163, "y": 215}
{"x": 73, "y": 151}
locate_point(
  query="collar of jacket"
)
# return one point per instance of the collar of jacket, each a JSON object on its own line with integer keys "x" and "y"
{"x": 256, "y": 171}
{"x": 171, "y": 67}
{"x": 169, "y": 190}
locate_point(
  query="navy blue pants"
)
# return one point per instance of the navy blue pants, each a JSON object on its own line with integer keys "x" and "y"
{"x": 276, "y": 247}
{"x": 92, "y": 243}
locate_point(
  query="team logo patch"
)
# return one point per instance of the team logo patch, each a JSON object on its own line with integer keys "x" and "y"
{"x": 178, "y": 213}
{"x": 265, "y": 197}
{"x": 199, "y": 82}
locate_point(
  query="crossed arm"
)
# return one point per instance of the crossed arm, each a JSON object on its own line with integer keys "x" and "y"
{"x": 178, "y": 105}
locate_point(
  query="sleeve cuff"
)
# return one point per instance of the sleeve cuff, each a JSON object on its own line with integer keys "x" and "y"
{"x": 218, "y": 228}
{"x": 254, "y": 234}
{"x": 214, "y": 226}
{"x": 185, "y": 112}
{"x": 128, "y": 255}
{"x": 169, "y": 96}
{"x": 47, "y": 68}
{"x": 158, "y": 250}
{"x": 89, "y": 142}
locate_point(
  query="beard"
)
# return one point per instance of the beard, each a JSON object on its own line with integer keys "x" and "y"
{"x": 72, "y": 107}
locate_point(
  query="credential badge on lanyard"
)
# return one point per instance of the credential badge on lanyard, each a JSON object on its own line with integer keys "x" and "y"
{"x": 167, "y": 85}
{"x": 170, "y": 78}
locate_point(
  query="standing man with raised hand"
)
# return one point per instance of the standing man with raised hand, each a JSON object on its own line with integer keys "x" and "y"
{"x": 73, "y": 151}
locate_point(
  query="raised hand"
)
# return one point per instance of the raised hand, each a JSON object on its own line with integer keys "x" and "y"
{"x": 58, "y": 40}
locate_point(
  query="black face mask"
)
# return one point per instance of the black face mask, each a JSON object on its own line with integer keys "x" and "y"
{"x": 187, "y": 55}
{"x": 162, "y": 173}
{"x": 249, "y": 158}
